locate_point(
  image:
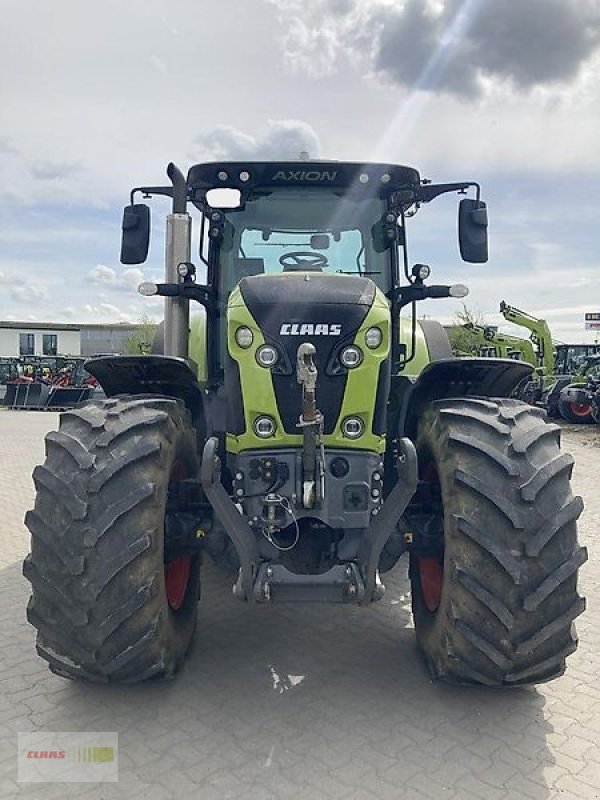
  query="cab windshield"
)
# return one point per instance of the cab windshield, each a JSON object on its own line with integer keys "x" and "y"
{"x": 303, "y": 230}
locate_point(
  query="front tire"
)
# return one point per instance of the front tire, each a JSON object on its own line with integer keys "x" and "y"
{"x": 105, "y": 604}
{"x": 496, "y": 606}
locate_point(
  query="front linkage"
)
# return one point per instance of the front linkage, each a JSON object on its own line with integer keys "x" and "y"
{"x": 353, "y": 582}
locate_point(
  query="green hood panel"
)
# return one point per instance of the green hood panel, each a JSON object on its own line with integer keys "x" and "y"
{"x": 259, "y": 396}
{"x": 257, "y": 389}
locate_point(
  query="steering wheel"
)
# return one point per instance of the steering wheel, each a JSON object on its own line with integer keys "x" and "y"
{"x": 299, "y": 260}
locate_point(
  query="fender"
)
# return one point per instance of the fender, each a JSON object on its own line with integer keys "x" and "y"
{"x": 152, "y": 374}
{"x": 460, "y": 377}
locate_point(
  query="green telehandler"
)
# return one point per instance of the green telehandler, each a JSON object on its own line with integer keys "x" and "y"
{"x": 561, "y": 370}
{"x": 471, "y": 338}
{"x": 305, "y": 433}
{"x": 540, "y": 336}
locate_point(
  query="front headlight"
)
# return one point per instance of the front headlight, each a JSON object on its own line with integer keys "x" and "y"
{"x": 351, "y": 356}
{"x": 264, "y": 427}
{"x": 267, "y": 355}
{"x": 244, "y": 337}
{"x": 373, "y": 338}
{"x": 353, "y": 427}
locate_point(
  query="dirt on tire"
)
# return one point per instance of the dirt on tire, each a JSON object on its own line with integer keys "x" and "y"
{"x": 510, "y": 562}
{"x": 97, "y": 566}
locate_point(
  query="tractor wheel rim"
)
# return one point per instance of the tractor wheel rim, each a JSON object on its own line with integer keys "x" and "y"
{"x": 178, "y": 569}
{"x": 177, "y": 576}
{"x": 581, "y": 410}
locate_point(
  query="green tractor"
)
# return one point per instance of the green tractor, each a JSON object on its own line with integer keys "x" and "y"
{"x": 305, "y": 434}
{"x": 486, "y": 342}
{"x": 571, "y": 392}
{"x": 562, "y": 370}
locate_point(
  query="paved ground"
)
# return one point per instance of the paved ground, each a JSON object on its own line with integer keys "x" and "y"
{"x": 302, "y": 702}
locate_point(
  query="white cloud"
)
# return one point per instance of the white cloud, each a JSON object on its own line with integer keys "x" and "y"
{"x": 129, "y": 279}
{"x": 29, "y": 292}
{"x": 51, "y": 171}
{"x": 282, "y": 139}
{"x": 448, "y": 46}
{"x": 7, "y": 147}
{"x": 107, "y": 312}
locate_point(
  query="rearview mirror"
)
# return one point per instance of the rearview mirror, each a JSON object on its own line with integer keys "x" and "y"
{"x": 472, "y": 230}
{"x": 135, "y": 236}
{"x": 319, "y": 241}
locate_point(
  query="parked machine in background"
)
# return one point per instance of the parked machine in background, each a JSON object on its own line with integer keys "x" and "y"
{"x": 561, "y": 370}
{"x": 575, "y": 393}
{"x": 486, "y": 342}
{"x": 47, "y": 383}
{"x": 540, "y": 335}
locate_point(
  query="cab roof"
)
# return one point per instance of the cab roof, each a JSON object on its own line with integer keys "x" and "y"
{"x": 380, "y": 179}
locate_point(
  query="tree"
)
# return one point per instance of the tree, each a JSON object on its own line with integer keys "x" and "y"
{"x": 140, "y": 340}
{"x": 461, "y": 341}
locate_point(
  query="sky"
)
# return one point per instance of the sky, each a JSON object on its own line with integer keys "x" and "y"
{"x": 97, "y": 97}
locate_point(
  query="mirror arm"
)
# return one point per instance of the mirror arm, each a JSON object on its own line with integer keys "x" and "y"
{"x": 149, "y": 191}
{"x": 428, "y": 192}
{"x": 178, "y": 192}
{"x": 188, "y": 290}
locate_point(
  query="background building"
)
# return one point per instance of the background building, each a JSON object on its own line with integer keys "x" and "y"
{"x": 50, "y": 339}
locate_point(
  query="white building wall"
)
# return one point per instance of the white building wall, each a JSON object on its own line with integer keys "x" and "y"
{"x": 68, "y": 344}
{"x": 9, "y": 342}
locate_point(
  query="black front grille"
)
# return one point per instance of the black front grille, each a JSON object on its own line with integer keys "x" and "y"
{"x": 337, "y": 304}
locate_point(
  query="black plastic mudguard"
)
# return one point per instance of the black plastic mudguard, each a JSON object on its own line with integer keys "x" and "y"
{"x": 460, "y": 377}
{"x": 152, "y": 374}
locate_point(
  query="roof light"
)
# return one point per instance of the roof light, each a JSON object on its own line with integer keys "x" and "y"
{"x": 244, "y": 176}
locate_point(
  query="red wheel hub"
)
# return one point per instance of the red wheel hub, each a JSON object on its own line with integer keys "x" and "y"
{"x": 581, "y": 410}
{"x": 431, "y": 577}
{"x": 177, "y": 576}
